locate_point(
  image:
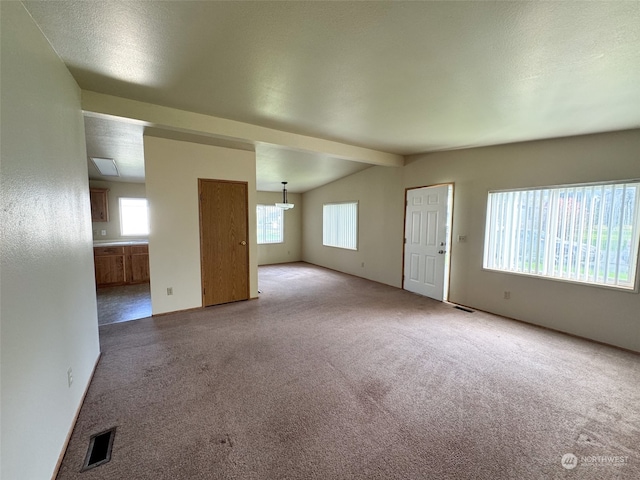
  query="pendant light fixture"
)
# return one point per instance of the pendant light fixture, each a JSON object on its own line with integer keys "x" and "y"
{"x": 285, "y": 205}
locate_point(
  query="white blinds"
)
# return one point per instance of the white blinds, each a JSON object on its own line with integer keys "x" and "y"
{"x": 340, "y": 225}
{"x": 581, "y": 233}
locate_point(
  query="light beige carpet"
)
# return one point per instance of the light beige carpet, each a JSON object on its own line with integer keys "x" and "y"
{"x": 330, "y": 376}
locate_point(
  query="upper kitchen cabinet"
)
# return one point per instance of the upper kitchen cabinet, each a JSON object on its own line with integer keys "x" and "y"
{"x": 99, "y": 204}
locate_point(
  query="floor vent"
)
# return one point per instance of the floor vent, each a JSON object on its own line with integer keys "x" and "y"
{"x": 99, "y": 451}
{"x": 468, "y": 310}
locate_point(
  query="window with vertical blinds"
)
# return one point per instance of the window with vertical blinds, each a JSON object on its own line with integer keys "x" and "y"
{"x": 270, "y": 224}
{"x": 580, "y": 233}
{"x": 340, "y": 225}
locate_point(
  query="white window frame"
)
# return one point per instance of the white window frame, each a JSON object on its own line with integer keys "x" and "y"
{"x": 340, "y": 225}
{"x": 125, "y": 228}
{"x": 519, "y": 223}
{"x": 275, "y": 210}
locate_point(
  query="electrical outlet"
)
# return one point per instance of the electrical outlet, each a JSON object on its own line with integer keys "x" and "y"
{"x": 70, "y": 377}
{"x": 169, "y": 290}
{"x": 103, "y": 232}
{"x": 462, "y": 238}
{"x": 507, "y": 295}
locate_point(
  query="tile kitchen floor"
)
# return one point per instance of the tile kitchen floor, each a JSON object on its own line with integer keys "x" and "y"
{"x": 123, "y": 303}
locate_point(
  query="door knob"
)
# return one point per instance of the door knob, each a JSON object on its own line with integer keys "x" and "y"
{"x": 243, "y": 242}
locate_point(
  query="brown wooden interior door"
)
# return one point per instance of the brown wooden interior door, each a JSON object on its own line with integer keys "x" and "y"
{"x": 224, "y": 249}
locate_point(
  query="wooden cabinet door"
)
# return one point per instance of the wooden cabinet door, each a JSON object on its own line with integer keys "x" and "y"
{"x": 224, "y": 249}
{"x": 110, "y": 270}
{"x": 99, "y": 204}
{"x": 138, "y": 265}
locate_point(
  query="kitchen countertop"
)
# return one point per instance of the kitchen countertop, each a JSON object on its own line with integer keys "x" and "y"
{"x": 118, "y": 243}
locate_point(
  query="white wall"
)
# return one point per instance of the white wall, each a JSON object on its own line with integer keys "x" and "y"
{"x": 48, "y": 310}
{"x": 291, "y": 249}
{"x": 380, "y": 225}
{"x": 116, "y": 190}
{"x": 172, "y": 169}
{"x": 601, "y": 314}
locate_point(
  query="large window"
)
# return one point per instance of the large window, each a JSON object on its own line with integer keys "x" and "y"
{"x": 340, "y": 225}
{"x": 270, "y": 224}
{"x": 134, "y": 216}
{"x": 580, "y": 233}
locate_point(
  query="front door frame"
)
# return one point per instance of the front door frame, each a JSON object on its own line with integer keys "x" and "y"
{"x": 447, "y": 263}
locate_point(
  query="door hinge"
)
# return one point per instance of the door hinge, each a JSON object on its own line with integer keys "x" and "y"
{"x": 405, "y": 241}
{"x": 204, "y": 291}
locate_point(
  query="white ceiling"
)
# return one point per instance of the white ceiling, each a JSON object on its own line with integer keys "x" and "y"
{"x": 401, "y": 77}
{"x": 122, "y": 140}
{"x": 119, "y": 140}
{"x": 304, "y": 171}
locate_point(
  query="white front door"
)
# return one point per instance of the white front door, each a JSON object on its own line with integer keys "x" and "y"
{"x": 426, "y": 258}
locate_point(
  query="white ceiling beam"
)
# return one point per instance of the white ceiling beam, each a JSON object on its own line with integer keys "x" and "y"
{"x": 182, "y": 120}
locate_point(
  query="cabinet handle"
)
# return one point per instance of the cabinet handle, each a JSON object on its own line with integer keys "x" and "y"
{"x": 243, "y": 243}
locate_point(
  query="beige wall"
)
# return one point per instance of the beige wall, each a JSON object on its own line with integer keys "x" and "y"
{"x": 116, "y": 190}
{"x": 380, "y": 225}
{"x": 48, "y": 310}
{"x": 172, "y": 169}
{"x": 291, "y": 249}
{"x": 601, "y": 314}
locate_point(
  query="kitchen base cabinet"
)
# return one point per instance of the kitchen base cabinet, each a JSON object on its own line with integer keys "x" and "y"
{"x": 121, "y": 265}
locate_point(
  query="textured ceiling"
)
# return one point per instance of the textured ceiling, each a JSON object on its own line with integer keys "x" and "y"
{"x": 303, "y": 171}
{"x": 401, "y": 77}
{"x": 121, "y": 141}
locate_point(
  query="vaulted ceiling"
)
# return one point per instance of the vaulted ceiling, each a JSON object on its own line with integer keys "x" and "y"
{"x": 399, "y": 77}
